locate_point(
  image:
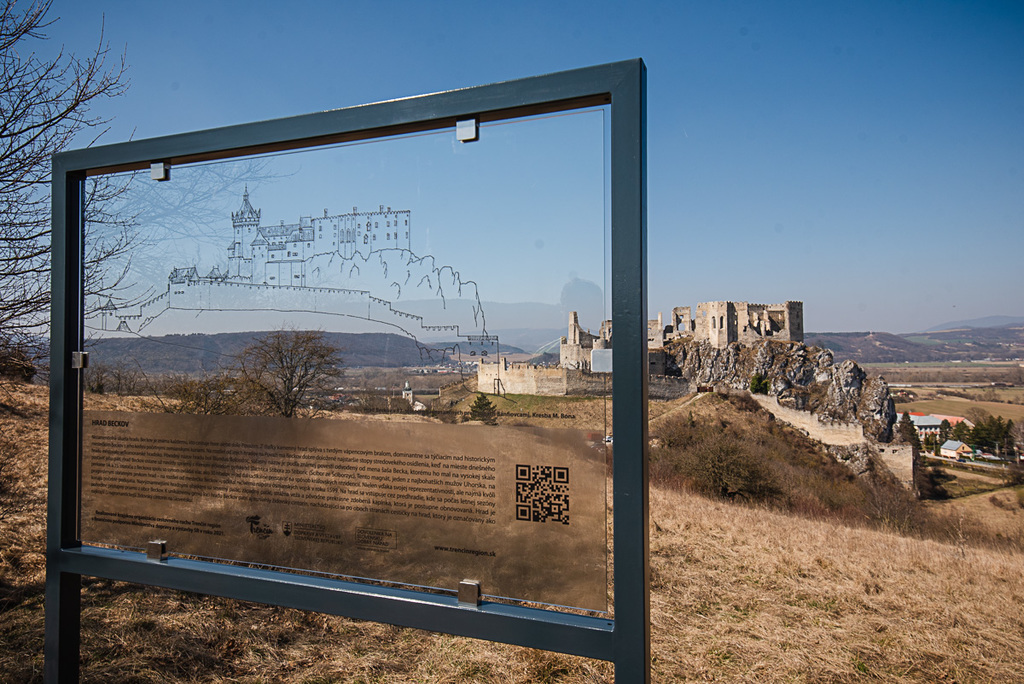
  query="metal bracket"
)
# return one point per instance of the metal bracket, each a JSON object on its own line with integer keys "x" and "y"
{"x": 156, "y": 551}
{"x": 469, "y": 594}
{"x": 79, "y": 359}
{"x": 467, "y": 130}
{"x": 160, "y": 171}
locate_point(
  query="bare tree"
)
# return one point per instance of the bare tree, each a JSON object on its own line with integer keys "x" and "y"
{"x": 44, "y": 105}
{"x": 1017, "y": 433}
{"x": 288, "y": 370}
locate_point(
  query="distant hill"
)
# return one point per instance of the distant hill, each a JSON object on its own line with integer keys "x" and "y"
{"x": 963, "y": 344}
{"x": 986, "y": 322}
{"x": 198, "y": 353}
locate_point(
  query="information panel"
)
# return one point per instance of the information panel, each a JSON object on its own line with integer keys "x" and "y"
{"x": 518, "y": 509}
{"x": 343, "y": 361}
{"x": 369, "y": 359}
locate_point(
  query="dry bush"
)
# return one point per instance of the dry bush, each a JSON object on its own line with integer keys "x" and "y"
{"x": 16, "y": 365}
{"x": 929, "y": 482}
{"x": 1014, "y": 475}
{"x": 212, "y": 394}
{"x": 12, "y": 498}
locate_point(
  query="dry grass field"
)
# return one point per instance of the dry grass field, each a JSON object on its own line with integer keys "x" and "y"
{"x": 957, "y": 406}
{"x": 949, "y": 373}
{"x": 739, "y": 593}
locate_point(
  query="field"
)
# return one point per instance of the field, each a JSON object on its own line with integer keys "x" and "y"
{"x": 948, "y": 373}
{"x": 957, "y": 406}
{"x": 956, "y": 388}
{"x": 739, "y": 593}
{"x": 961, "y": 482}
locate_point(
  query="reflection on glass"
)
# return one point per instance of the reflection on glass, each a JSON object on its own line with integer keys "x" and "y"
{"x": 372, "y": 285}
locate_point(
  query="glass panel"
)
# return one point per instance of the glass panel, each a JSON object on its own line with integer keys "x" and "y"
{"x": 383, "y": 360}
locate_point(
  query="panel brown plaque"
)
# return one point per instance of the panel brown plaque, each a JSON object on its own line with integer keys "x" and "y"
{"x": 520, "y": 509}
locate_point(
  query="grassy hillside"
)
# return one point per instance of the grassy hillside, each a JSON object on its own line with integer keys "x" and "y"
{"x": 739, "y": 593}
{"x": 196, "y": 353}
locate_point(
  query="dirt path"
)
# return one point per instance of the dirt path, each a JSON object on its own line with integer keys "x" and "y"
{"x": 686, "y": 401}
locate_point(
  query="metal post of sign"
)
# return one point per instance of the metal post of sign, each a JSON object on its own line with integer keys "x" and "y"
{"x": 623, "y": 639}
{"x": 629, "y": 359}
{"x": 63, "y": 589}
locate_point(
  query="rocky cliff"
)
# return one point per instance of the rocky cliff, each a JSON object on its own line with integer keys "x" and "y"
{"x": 805, "y": 378}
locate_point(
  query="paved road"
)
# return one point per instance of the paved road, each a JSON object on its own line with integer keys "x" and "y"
{"x": 972, "y": 464}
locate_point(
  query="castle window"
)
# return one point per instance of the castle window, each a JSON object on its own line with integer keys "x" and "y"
{"x": 721, "y": 321}
{"x": 364, "y": 239}
{"x": 388, "y": 236}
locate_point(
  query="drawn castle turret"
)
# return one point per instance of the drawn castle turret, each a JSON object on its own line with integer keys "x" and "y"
{"x": 246, "y": 224}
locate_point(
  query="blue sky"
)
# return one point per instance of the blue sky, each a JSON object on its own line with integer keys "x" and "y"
{"x": 865, "y": 157}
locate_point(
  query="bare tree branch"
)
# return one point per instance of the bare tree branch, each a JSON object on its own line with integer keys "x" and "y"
{"x": 44, "y": 104}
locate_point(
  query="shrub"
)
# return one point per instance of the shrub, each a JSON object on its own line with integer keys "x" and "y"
{"x": 1014, "y": 475}
{"x": 759, "y": 384}
{"x": 10, "y": 492}
{"x": 214, "y": 394}
{"x": 725, "y": 468}
{"x": 744, "y": 403}
{"x": 483, "y": 410}
{"x": 16, "y": 365}
{"x": 929, "y": 483}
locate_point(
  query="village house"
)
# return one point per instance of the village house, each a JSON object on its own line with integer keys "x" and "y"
{"x": 952, "y": 448}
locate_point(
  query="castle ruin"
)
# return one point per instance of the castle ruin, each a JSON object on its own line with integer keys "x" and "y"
{"x": 722, "y": 323}
{"x": 574, "y": 350}
{"x": 718, "y": 323}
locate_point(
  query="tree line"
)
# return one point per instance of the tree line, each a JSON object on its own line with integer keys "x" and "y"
{"x": 990, "y": 433}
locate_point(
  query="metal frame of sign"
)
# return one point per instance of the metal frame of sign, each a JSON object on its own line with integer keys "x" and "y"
{"x": 623, "y": 639}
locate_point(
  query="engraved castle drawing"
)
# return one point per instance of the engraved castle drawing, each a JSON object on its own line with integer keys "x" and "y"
{"x": 278, "y": 255}
{"x": 358, "y": 268}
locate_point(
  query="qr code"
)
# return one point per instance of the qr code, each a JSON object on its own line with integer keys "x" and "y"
{"x": 542, "y": 493}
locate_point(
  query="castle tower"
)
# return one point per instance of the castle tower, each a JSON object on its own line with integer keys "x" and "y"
{"x": 245, "y": 223}
{"x": 656, "y": 333}
{"x": 574, "y": 328}
{"x": 795, "y": 320}
{"x": 716, "y": 323}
